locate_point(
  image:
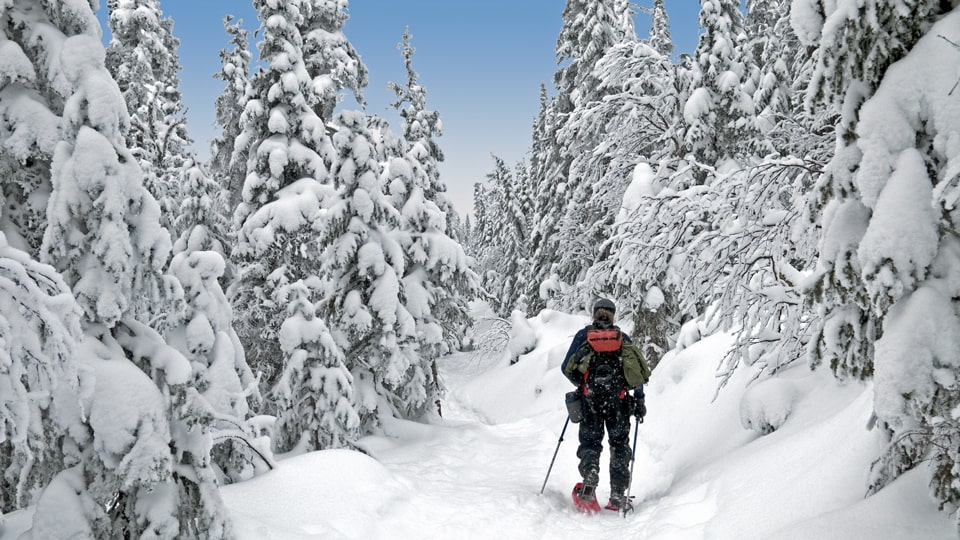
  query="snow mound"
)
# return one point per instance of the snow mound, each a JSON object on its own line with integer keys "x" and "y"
{"x": 767, "y": 405}
{"x": 326, "y": 494}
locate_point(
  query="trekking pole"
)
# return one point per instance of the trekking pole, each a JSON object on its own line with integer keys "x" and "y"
{"x": 633, "y": 458}
{"x": 555, "y": 455}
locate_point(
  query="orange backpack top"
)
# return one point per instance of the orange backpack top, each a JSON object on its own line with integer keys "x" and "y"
{"x": 605, "y": 340}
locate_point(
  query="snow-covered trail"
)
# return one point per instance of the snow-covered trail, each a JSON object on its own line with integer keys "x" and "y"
{"x": 458, "y": 477}
{"x": 471, "y": 479}
{"x": 476, "y": 473}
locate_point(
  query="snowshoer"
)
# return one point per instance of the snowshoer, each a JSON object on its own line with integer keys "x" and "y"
{"x": 605, "y": 365}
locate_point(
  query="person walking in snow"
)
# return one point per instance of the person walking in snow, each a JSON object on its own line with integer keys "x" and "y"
{"x": 604, "y": 365}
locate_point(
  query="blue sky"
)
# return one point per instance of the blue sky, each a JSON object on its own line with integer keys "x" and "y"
{"x": 481, "y": 62}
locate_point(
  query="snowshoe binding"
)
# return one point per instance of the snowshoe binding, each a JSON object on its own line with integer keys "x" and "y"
{"x": 585, "y": 498}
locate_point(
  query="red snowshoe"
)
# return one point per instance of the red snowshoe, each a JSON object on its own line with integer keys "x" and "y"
{"x": 585, "y": 498}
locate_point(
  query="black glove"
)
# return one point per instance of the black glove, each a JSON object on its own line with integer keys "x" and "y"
{"x": 639, "y": 407}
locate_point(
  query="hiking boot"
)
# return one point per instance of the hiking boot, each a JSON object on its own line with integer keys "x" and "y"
{"x": 591, "y": 478}
{"x": 619, "y": 502}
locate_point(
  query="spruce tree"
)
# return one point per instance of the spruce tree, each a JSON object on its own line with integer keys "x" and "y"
{"x": 660, "y": 39}
{"x": 885, "y": 284}
{"x": 364, "y": 264}
{"x": 142, "y": 56}
{"x": 205, "y": 336}
{"x": 420, "y": 128}
{"x": 720, "y": 109}
{"x": 329, "y": 56}
{"x": 102, "y": 234}
{"x": 856, "y": 53}
{"x": 587, "y": 191}
{"x": 124, "y": 221}
{"x": 589, "y": 28}
{"x": 228, "y": 162}
{"x": 41, "y": 321}
{"x": 315, "y": 392}
{"x": 643, "y": 119}
{"x": 776, "y": 55}
{"x": 288, "y": 155}
{"x": 201, "y": 217}
{"x": 547, "y": 201}
{"x": 293, "y": 163}
{"x": 494, "y": 241}
{"x": 115, "y": 266}
{"x": 521, "y": 225}
{"x": 39, "y": 333}
{"x": 438, "y": 282}
{"x": 476, "y": 244}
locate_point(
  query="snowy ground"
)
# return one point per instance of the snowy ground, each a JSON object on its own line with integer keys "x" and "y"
{"x": 477, "y": 472}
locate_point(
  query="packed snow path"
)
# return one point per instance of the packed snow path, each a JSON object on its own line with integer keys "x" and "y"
{"x": 460, "y": 478}
{"x": 485, "y": 479}
{"x": 699, "y": 474}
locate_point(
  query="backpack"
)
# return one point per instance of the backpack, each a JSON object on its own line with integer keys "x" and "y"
{"x": 606, "y": 363}
{"x": 604, "y": 375}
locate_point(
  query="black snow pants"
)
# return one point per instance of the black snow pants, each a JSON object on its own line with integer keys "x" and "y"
{"x": 612, "y": 413}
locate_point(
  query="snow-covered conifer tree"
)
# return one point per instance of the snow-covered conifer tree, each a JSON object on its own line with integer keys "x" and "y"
{"x": 592, "y": 186}
{"x": 201, "y": 218}
{"x": 547, "y": 196}
{"x": 39, "y": 346}
{"x": 887, "y": 269}
{"x": 420, "y": 128}
{"x": 720, "y": 111}
{"x": 438, "y": 282}
{"x": 387, "y": 144}
{"x": 776, "y": 59}
{"x": 521, "y": 224}
{"x": 308, "y": 62}
{"x": 39, "y": 332}
{"x": 644, "y": 122}
{"x": 589, "y": 28}
{"x": 119, "y": 445}
{"x": 220, "y": 376}
{"x": 142, "y": 56}
{"x": 288, "y": 153}
{"x": 102, "y": 234}
{"x": 189, "y": 495}
{"x": 850, "y": 55}
{"x": 496, "y": 237}
{"x": 205, "y": 335}
{"x": 329, "y": 56}
{"x": 660, "y": 39}
{"x": 28, "y": 133}
{"x": 514, "y": 234}
{"x": 315, "y": 392}
{"x": 638, "y": 120}
{"x": 228, "y": 165}
{"x": 477, "y": 242}
{"x": 360, "y": 244}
